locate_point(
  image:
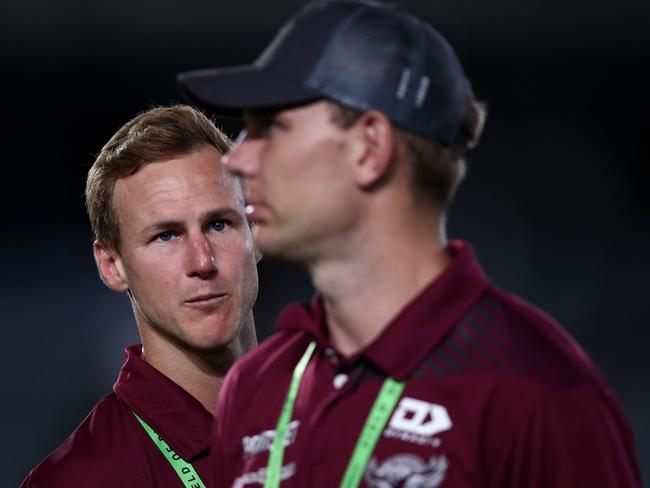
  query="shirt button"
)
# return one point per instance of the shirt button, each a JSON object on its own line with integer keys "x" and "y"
{"x": 340, "y": 380}
{"x": 331, "y": 354}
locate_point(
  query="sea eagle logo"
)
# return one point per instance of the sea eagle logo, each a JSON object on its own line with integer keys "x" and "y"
{"x": 406, "y": 470}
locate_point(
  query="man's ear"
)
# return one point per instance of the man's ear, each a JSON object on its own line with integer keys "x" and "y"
{"x": 110, "y": 267}
{"x": 376, "y": 135}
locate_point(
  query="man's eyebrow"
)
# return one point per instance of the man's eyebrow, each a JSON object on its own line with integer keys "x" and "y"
{"x": 223, "y": 212}
{"x": 215, "y": 214}
{"x": 258, "y": 118}
{"x": 260, "y": 114}
{"x": 161, "y": 225}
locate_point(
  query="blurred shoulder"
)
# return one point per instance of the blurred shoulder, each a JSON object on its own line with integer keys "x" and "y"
{"x": 92, "y": 455}
{"x": 532, "y": 342}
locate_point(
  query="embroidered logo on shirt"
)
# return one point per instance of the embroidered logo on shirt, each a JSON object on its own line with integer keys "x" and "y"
{"x": 418, "y": 421}
{"x": 406, "y": 470}
{"x": 254, "y": 444}
{"x": 259, "y": 476}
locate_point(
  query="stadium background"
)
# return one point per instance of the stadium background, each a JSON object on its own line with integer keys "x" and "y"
{"x": 556, "y": 201}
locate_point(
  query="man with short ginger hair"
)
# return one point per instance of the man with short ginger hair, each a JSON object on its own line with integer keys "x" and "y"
{"x": 409, "y": 368}
{"x": 172, "y": 233}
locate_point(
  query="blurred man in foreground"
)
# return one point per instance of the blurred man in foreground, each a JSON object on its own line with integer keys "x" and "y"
{"x": 172, "y": 233}
{"x": 410, "y": 368}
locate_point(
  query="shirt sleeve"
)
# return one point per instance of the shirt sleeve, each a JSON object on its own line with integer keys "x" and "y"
{"x": 576, "y": 437}
{"x": 92, "y": 474}
{"x": 26, "y": 482}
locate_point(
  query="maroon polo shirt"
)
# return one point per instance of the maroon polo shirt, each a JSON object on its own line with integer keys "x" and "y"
{"x": 497, "y": 395}
{"x": 111, "y": 449}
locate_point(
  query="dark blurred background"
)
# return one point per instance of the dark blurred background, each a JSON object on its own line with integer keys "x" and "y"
{"x": 556, "y": 200}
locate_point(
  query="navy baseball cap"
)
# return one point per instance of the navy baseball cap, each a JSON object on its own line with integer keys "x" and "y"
{"x": 364, "y": 54}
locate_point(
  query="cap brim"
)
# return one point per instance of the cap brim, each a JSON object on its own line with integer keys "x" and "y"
{"x": 242, "y": 87}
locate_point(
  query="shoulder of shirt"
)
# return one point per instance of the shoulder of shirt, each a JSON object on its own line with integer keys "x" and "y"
{"x": 526, "y": 363}
{"x": 89, "y": 456}
{"x": 531, "y": 346}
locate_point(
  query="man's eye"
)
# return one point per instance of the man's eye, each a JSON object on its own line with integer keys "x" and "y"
{"x": 258, "y": 132}
{"x": 274, "y": 125}
{"x": 220, "y": 225}
{"x": 165, "y": 236}
{"x": 261, "y": 128}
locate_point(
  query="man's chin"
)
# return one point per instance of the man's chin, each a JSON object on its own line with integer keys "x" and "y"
{"x": 212, "y": 339}
{"x": 212, "y": 344}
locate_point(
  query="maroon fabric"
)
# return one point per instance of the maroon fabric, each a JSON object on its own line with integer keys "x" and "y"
{"x": 497, "y": 395}
{"x": 111, "y": 449}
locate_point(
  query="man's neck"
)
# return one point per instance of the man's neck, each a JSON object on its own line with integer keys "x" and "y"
{"x": 386, "y": 269}
{"x": 200, "y": 373}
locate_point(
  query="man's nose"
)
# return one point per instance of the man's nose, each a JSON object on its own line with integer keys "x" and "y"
{"x": 242, "y": 160}
{"x": 201, "y": 260}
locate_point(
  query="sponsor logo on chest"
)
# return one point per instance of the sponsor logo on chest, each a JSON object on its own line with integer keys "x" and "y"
{"x": 418, "y": 422}
{"x": 255, "y": 444}
{"x": 258, "y": 477}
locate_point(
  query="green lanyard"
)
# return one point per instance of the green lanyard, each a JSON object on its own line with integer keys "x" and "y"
{"x": 184, "y": 470}
{"x": 384, "y": 405}
{"x": 274, "y": 469}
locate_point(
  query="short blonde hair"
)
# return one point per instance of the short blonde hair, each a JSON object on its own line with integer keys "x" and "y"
{"x": 159, "y": 134}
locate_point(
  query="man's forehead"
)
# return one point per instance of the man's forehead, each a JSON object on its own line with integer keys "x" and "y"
{"x": 180, "y": 179}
